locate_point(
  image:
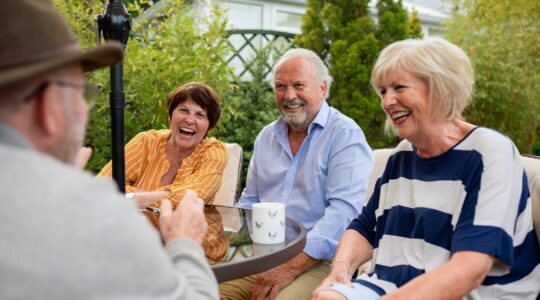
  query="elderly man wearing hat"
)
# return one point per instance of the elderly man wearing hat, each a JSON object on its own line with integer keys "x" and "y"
{"x": 61, "y": 236}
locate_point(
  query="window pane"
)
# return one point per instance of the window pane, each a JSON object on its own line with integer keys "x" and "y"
{"x": 288, "y": 19}
{"x": 244, "y": 16}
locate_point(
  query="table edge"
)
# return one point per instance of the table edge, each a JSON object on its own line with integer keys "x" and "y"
{"x": 232, "y": 270}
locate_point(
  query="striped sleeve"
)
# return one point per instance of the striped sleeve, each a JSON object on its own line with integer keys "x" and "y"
{"x": 135, "y": 154}
{"x": 366, "y": 221}
{"x": 488, "y": 218}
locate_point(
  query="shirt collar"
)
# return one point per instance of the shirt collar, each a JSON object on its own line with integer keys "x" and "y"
{"x": 322, "y": 116}
{"x": 10, "y": 136}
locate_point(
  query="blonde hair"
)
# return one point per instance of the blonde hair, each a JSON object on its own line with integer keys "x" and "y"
{"x": 443, "y": 66}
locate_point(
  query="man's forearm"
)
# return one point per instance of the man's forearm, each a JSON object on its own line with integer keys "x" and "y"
{"x": 299, "y": 264}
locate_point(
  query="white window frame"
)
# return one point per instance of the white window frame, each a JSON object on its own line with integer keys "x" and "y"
{"x": 269, "y": 13}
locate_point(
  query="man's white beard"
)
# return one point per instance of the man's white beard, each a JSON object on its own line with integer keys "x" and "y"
{"x": 295, "y": 119}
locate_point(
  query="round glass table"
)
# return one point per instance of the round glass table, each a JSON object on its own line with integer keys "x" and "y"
{"x": 244, "y": 257}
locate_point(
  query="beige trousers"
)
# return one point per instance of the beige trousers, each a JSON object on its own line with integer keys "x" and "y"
{"x": 301, "y": 288}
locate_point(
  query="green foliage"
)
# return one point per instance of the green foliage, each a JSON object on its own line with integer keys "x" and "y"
{"x": 249, "y": 107}
{"x": 393, "y": 22}
{"x": 343, "y": 33}
{"x": 314, "y": 35}
{"x": 415, "y": 27}
{"x": 175, "y": 47}
{"x": 135, "y": 7}
{"x": 501, "y": 38}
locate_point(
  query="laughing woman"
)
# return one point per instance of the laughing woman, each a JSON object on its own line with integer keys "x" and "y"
{"x": 165, "y": 163}
{"x": 450, "y": 216}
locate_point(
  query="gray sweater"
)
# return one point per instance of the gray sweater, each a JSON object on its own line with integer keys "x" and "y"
{"x": 66, "y": 235}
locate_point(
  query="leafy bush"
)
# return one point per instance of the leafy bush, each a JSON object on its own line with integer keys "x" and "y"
{"x": 501, "y": 37}
{"x": 346, "y": 36}
{"x": 249, "y": 107}
{"x": 415, "y": 27}
{"x": 173, "y": 48}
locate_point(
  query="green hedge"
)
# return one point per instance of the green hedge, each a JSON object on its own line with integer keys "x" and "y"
{"x": 347, "y": 37}
{"x": 174, "y": 48}
{"x": 501, "y": 37}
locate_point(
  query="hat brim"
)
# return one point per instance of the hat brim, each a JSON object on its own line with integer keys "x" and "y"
{"x": 106, "y": 54}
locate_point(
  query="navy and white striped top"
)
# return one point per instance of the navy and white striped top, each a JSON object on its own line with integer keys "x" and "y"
{"x": 474, "y": 197}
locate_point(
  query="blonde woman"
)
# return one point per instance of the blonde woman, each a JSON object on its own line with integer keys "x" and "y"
{"x": 448, "y": 217}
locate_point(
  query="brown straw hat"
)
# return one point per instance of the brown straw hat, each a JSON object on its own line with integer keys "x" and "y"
{"x": 35, "y": 39}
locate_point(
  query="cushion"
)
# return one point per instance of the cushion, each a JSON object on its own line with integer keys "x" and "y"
{"x": 228, "y": 191}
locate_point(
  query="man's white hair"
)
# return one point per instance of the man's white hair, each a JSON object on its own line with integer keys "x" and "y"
{"x": 321, "y": 71}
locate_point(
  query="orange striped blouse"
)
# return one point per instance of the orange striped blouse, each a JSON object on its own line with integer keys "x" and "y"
{"x": 146, "y": 162}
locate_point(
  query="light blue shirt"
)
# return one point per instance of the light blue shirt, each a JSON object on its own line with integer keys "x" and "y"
{"x": 323, "y": 186}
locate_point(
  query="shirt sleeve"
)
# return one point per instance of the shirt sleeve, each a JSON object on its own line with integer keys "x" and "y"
{"x": 206, "y": 178}
{"x": 349, "y": 168}
{"x": 488, "y": 215}
{"x": 189, "y": 260}
{"x": 365, "y": 222}
{"x": 180, "y": 271}
{"x": 135, "y": 153}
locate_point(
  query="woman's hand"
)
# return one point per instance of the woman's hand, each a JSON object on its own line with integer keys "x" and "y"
{"x": 327, "y": 294}
{"x": 146, "y": 198}
{"x": 338, "y": 274}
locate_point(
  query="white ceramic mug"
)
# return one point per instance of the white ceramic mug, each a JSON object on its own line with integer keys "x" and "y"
{"x": 268, "y": 223}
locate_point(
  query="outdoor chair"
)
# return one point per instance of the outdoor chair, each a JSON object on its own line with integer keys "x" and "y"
{"x": 532, "y": 168}
{"x": 229, "y": 190}
{"x": 230, "y": 185}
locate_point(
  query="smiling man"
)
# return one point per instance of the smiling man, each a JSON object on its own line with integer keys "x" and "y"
{"x": 316, "y": 161}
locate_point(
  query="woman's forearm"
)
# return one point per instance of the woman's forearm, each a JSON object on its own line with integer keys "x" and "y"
{"x": 353, "y": 249}
{"x": 464, "y": 272}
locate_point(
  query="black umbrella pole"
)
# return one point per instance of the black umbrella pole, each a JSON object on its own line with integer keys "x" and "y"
{"x": 115, "y": 24}
{"x": 117, "y": 104}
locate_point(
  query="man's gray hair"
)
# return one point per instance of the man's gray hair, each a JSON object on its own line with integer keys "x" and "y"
{"x": 321, "y": 71}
